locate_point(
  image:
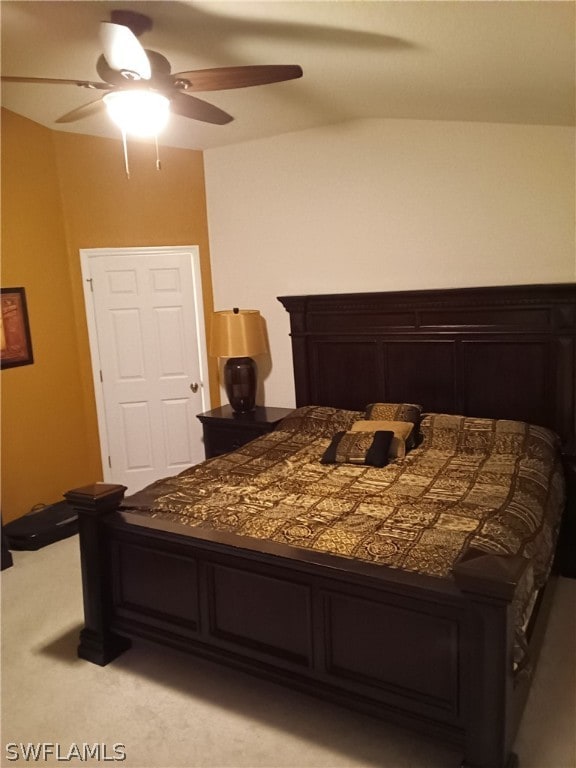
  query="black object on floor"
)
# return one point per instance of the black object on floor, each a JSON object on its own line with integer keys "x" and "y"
{"x": 5, "y": 554}
{"x": 41, "y": 527}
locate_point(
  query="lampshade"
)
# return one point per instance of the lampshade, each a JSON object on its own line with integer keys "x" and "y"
{"x": 238, "y": 333}
{"x": 139, "y": 112}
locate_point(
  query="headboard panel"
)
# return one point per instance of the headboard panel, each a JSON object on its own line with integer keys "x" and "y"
{"x": 502, "y": 352}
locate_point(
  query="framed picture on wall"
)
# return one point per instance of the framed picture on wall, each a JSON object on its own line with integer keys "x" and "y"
{"x": 16, "y": 345}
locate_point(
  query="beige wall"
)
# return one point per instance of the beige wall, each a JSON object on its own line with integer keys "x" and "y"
{"x": 387, "y": 205}
{"x": 62, "y": 192}
{"x": 375, "y": 205}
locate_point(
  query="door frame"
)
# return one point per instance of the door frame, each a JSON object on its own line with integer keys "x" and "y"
{"x": 86, "y": 257}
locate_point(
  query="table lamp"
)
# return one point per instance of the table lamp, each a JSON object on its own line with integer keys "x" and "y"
{"x": 239, "y": 334}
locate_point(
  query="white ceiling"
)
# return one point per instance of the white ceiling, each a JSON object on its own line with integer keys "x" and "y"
{"x": 506, "y": 61}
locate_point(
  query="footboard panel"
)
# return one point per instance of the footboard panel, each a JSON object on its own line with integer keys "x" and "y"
{"x": 398, "y": 654}
{"x": 298, "y": 625}
{"x": 432, "y": 654}
{"x": 168, "y": 602}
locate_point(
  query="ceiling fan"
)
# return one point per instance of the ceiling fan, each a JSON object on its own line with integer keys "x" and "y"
{"x": 130, "y": 74}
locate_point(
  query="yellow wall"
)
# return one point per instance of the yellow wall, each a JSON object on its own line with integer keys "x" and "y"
{"x": 62, "y": 192}
{"x": 42, "y": 404}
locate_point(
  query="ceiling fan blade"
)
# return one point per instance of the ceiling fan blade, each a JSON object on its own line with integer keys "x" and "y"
{"x": 190, "y": 106}
{"x": 109, "y": 75}
{"x": 87, "y": 110}
{"x": 136, "y": 22}
{"x": 223, "y": 78}
{"x": 54, "y": 81}
{"x": 123, "y": 51}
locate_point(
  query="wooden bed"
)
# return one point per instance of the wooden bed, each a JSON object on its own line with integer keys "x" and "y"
{"x": 438, "y": 653}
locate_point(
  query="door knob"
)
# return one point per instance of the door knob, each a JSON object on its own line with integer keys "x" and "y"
{"x": 194, "y": 387}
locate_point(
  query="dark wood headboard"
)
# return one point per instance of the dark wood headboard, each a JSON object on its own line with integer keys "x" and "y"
{"x": 501, "y": 352}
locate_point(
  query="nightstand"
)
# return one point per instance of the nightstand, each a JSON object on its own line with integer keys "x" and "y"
{"x": 225, "y": 430}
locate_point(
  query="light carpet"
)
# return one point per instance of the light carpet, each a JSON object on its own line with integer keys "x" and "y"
{"x": 168, "y": 709}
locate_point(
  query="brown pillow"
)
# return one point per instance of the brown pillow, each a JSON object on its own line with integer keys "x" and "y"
{"x": 364, "y": 448}
{"x": 317, "y": 420}
{"x": 397, "y": 412}
{"x": 401, "y": 429}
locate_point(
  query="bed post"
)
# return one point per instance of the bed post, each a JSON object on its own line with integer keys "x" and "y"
{"x": 98, "y": 643}
{"x": 296, "y": 307}
{"x": 489, "y": 583}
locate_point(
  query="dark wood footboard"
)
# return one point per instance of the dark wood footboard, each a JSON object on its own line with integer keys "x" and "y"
{"x": 431, "y": 654}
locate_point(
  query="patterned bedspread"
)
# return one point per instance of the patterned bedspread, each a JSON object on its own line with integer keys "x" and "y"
{"x": 493, "y": 485}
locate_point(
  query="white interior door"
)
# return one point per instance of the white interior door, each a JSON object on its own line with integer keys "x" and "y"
{"x": 146, "y": 326}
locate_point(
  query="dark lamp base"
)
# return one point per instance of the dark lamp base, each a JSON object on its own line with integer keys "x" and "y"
{"x": 240, "y": 383}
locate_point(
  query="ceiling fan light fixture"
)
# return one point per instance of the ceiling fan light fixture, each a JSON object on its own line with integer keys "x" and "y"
{"x": 138, "y": 113}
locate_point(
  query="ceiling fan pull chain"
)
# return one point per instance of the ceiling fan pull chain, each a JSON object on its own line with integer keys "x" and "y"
{"x": 125, "y": 145}
{"x": 158, "y": 163}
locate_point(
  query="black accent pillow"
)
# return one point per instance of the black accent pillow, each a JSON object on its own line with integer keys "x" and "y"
{"x": 362, "y": 448}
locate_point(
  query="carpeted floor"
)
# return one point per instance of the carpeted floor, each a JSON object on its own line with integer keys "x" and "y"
{"x": 168, "y": 709}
